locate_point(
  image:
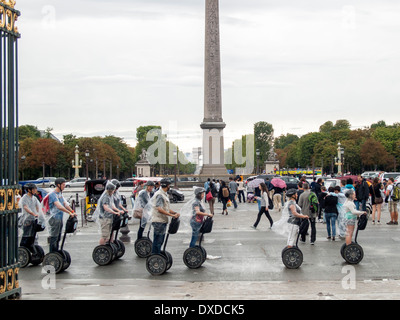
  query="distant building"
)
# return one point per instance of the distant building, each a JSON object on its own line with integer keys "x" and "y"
{"x": 44, "y": 134}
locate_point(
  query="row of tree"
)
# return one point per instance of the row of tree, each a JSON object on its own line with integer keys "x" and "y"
{"x": 109, "y": 156}
{"x": 365, "y": 149}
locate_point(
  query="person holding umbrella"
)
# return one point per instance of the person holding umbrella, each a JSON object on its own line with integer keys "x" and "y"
{"x": 279, "y": 187}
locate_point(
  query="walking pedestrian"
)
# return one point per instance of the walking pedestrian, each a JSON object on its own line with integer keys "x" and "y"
{"x": 321, "y": 206}
{"x": 224, "y": 195}
{"x": 331, "y": 213}
{"x": 278, "y": 192}
{"x": 212, "y": 192}
{"x": 376, "y": 199}
{"x": 233, "y": 188}
{"x": 363, "y": 195}
{"x": 393, "y": 210}
{"x": 241, "y": 191}
{"x": 304, "y": 204}
{"x": 300, "y": 190}
{"x": 264, "y": 199}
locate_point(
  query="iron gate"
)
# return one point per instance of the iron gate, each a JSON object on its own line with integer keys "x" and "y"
{"x": 9, "y": 266}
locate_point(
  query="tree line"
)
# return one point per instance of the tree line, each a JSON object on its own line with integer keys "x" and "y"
{"x": 110, "y": 156}
{"x": 372, "y": 148}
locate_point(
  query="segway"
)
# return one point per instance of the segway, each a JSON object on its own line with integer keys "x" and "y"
{"x": 32, "y": 253}
{"x": 114, "y": 248}
{"x": 292, "y": 257}
{"x": 195, "y": 257}
{"x": 354, "y": 253}
{"x": 158, "y": 264}
{"x": 143, "y": 246}
{"x": 61, "y": 260}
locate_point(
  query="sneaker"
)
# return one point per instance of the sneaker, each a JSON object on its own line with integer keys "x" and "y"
{"x": 378, "y": 222}
{"x": 390, "y": 222}
{"x": 312, "y": 243}
{"x": 302, "y": 241}
{"x": 333, "y": 238}
{"x": 373, "y": 222}
{"x": 253, "y": 227}
{"x": 396, "y": 223}
{"x": 329, "y": 238}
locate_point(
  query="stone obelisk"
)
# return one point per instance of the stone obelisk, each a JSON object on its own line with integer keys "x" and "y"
{"x": 213, "y": 125}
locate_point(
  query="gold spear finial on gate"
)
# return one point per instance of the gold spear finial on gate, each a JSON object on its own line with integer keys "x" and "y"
{"x": 9, "y": 3}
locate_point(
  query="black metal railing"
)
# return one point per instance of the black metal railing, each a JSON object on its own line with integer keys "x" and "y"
{"x": 9, "y": 266}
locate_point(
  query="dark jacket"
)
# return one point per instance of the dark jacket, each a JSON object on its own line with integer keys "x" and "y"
{"x": 330, "y": 204}
{"x": 363, "y": 191}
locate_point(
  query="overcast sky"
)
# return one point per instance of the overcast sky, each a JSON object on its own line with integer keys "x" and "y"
{"x": 99, "y": 67}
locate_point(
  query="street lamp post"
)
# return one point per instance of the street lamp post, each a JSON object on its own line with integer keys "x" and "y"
{"x": 257, "y": 157}
{"x": 175, "y": 159}
{"x": 339, "y": 159}
{"x": 87, "y": 163}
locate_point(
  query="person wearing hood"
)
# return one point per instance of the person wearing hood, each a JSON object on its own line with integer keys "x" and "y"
{"x": 161, "y": 212}
{"x": 117, "y": 196}
{"x": 142, "y": 200}
{"x": 351, "y": 214}
{"x": 30, "y": 212}
{"x": 106, "y": 210}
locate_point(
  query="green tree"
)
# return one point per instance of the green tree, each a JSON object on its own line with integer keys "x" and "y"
{"x": 263, "y": 139}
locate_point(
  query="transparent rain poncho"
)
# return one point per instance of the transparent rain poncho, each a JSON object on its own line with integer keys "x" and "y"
{"x": 188, "y": 217}
{"x": 149, "y": 210}
{"x": 107, "y": 198}
{"x": 341, "y": 213}
{"x": 26, "y": 220}
{"x": 142, "y": 199}
{"x": 55, "y": 218}
{"x": 282, "y": 226}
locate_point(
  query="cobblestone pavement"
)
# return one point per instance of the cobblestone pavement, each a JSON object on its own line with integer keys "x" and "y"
{"x": 242, "y": 264}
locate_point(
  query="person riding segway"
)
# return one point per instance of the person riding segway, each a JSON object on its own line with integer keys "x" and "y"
{"x": 143, "y": 245}
{"x": 32, "y": 221}
{"x": 158, "y": 211}
{"x": 195, "y": 255}
{"x": 292, "y": 257}
{"x": 110, "y": 220}
{"x": 57, "y": 257}
{"x": 351, "y": 251}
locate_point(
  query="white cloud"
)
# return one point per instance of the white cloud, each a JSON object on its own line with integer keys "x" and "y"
{"x": 116, "y": 65}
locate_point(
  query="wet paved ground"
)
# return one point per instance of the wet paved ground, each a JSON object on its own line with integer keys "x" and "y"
{"x": 242, "y": 263}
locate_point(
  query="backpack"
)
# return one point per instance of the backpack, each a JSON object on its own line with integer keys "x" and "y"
{"x": 396, "y": 193}
{"x": 225, "y": 192}
{"x": 312, "y": 198}
{"x": 45, "y": 204}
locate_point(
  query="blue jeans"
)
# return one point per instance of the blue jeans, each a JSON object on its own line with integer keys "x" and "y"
{"x": 195, "y": 233}
{"x": 232, "y": 197}
{"x": 331, "y": 223}
{"x": 158, "y": 236}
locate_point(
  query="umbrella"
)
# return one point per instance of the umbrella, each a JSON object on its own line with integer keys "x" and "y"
{"x": 279, "y": 183}
{"x": 255, "y": 183}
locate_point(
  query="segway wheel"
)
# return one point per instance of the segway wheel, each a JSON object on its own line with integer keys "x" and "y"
{"x": 114, "y": 248}
{"x": 143, "y": 247}
{"x": 102, "y": 255}
{"x": 38, "y": 257}
{"x": 168, "y": 256}
{"x": 353, "y": 253}
{"x": 204, "y": 253}
{"x": 193, "y": 257}
{"x": 24, "y": 257}
{"x": 342, "y": 250}
{"x": 121, "y": 249}
{"x": 156, "y": 264}
{"x": 67, "y": 259}
{"x": 292, "y": 258}
{"x": 54, "y": 259}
